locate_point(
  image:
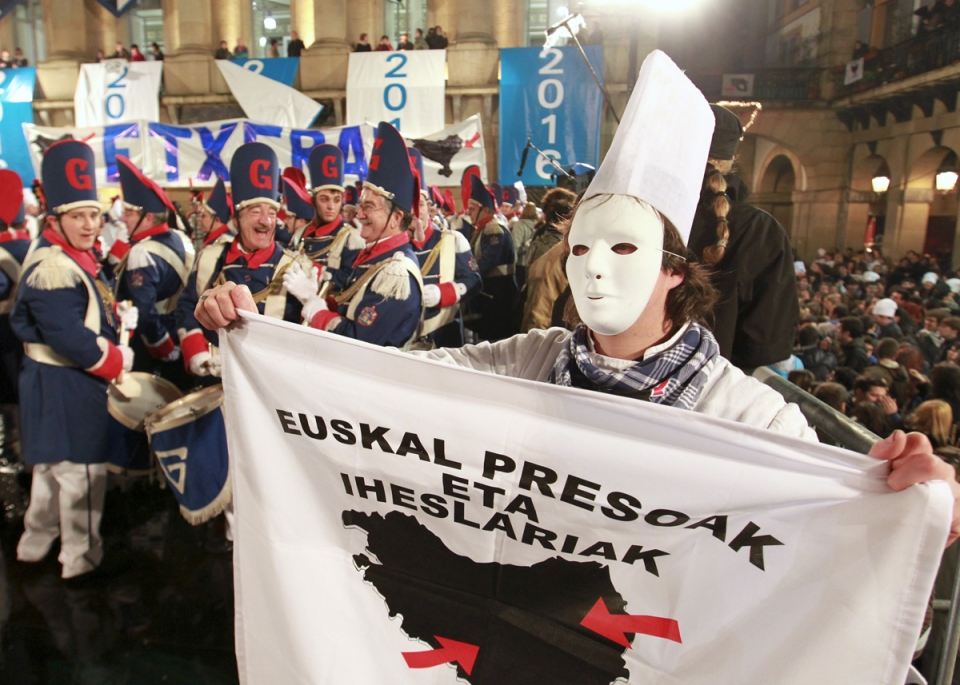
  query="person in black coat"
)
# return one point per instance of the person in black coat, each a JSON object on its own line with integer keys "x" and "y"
{"x": 750, "y": 257}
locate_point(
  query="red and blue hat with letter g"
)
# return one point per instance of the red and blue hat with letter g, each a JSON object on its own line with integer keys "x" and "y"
{"x": 416, "y": 159}
{"x": 510, "y": 196}
{"x": 68, "y": 174}
{"x": 481, "y": 194}
{"x": 255, "y": 176}
{"x": 218, "y": 204}
{"x": 350, "y": 196}
{"x": 326, "y": 168}
{"x": 497, "y": 191}
{"x": 391, "y": 173}
{"x": 11, "y": 197}
{"x": 140, "y": 192}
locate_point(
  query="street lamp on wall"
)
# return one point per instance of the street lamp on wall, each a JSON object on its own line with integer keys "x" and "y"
{"x": 881, "y": 184}
{"x": 947, "y": 175}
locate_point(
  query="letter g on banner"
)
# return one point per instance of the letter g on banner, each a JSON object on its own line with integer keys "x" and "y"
{"x": 78, "y": 181}
{"x": 258, "y": 177}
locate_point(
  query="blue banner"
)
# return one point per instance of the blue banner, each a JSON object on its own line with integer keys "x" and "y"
{"x": 280, "y": 69}
{"x": 550, "y": 98}
{"x": 118, "y": 7}
{"x": 16, "y": 109}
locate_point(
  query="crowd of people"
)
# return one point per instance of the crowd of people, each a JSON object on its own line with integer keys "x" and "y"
{"x": 435, "y": 39}
{"x": 134, "y": 54}
{"x": 14, "y": 61}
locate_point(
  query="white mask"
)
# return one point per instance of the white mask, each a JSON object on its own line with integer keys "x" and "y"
{"x": 611, "y": 288}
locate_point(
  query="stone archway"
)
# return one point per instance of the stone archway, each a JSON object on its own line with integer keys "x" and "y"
{"x": 930, "y": 215}
{"x": 775, "y": 190}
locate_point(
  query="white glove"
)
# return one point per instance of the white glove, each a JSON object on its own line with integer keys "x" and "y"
{"x": 129, "y": 316}
{"x": 214, "y": 366}
{"x": 431, "y": 295}
{"x": 200, "y": 364}
{"x": 299, "y": 284}
{"x": 127, "y": 353}
{"x": 173, "y": 356}
{"x": 312, "y": 306}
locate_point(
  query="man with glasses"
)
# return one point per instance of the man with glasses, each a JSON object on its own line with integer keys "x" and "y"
{"x": 252, "y": 259}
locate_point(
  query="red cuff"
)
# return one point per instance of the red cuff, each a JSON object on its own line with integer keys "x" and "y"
{"x": 119, "y": 249}
{"x": 111, "y": 365}
{"x": 162, "y": 348}
{"x": 322, "y": 319}
{"x": 448, "y": 294}
{"x": 332, "y": 303}
{"x": 191, "y": 345}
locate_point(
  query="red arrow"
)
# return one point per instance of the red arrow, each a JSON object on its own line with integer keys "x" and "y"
{"x": 463, "y": 653}
{"x": 613, "y": 626}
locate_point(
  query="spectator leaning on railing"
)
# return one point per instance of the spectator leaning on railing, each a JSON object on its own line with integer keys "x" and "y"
{"x": 223, "y": 52}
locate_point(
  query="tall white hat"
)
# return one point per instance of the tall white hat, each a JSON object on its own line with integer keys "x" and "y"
{"x": 659, "y": 153}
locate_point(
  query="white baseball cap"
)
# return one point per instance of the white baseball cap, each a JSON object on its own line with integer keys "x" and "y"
{"x": 954, "y": 284}
{"x": 930, "y": 277}
{"x": 885, "y": 307}
{"x": 871, "y": 276}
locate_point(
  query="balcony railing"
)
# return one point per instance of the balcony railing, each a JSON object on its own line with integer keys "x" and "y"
{"x": 922, "y": 53}
{"x": 768, "y": 85}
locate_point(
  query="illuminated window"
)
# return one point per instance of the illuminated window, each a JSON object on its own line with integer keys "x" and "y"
{"x": 28, "y": 33}
{"x": 403, "y": 17}
{"x": 271, "y": 20}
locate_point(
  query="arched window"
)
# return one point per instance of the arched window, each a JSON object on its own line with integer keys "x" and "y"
{"x": 146, "y": 25}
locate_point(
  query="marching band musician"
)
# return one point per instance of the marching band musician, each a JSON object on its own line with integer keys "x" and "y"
{"x": 215, "y": 216}
{"x": 329, "y": 239}
{"x": 156, "y": 267}
{"x": 448, "y": 269}
{"x": 495, "y": 307}
{"x": 64, "y": 314}
{"x": 14, "y": 244}
{"x": 253, "y": 258}
{"x": 349, "y": 209}
{"x": 381, "y": 300}
{"x": 459, "y": 222}
{"x": 299, "y": 209}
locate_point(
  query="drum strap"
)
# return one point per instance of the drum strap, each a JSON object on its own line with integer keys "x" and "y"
{"x": 446, "y": 252}
{"x": 334, "y": 250}
{"x": 11, "y": 268}
{"x": 44, "y": 354}
{"x": 207, "y": 262}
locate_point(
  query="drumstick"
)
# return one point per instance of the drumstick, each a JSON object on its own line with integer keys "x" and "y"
{"x": 124, "y": 341}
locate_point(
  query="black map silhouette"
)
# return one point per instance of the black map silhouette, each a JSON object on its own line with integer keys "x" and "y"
{"x": 524, "y": 619}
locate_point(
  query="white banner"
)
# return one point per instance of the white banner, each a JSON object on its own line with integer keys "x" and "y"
{"x": 397, "y": 519}
{"x": 176, "y": 156}
{"x": 264, "y": 99}
{"x": 116, "y": 91}
{"x": 404, "y": 88}
{"x": 737, "y": 85}
{"x": 853, "y": 72}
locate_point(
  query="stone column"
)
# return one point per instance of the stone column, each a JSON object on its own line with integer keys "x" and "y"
{"x": 65, "y": 26}
{"x": 364, "y": 16}
{"x": 508, "y": 22}
{"x": 443, "y": 13}
{"x": 323, "y": 65}
{"x": 302, "y": 18}
{"x": 473, "y": 57}
{"x": 188, "y": 30}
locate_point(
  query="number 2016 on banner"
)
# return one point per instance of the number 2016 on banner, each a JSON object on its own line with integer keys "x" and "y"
{"x": 115, "y": 104}
{"x": 395, "y": 94}
{"x": 550, "y": 97}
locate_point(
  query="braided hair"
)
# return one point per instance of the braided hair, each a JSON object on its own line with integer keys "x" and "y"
{"x": 715, "y": 184}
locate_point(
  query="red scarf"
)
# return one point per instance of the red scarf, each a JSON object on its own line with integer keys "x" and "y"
{"x": 254, "y": 259}
{"x": 427, "y": 234}
{"x": 87, "y": 260}
{"x": 215, "y": 233}
{"x": 149, "y": 233}
{"x": 325, "y": 230}
{"x": 382, "y": 248}
{"x": 14, "y": 234}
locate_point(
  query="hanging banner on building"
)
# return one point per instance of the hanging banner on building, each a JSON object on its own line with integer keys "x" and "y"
{"x": 16, "y": 109}
{"x": 117, "y": 91}
{"x": 555, "y": 536}
{"x": 737, "y": 85}
{"x": 176, "y": 156}
{"x": 264, "y": 99}
{"x": 549, "y": 98}
{"x": 7, "y": 6}
{"x": 280, "y": 69}
{"x": 853, "y": 72}
{"x": 118, "y": 7}
{"x": 404, "y": 88}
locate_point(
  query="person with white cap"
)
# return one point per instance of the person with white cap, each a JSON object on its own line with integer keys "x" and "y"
{"x": 637, "y": 298}
{"x": 928, "y": 283}
{"x": 884, "y": 312}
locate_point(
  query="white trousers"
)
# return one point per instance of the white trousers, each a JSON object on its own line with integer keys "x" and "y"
{"x": 66, "y": 501}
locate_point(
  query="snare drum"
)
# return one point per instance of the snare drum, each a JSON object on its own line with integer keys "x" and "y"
{"x": 143, "y": 394}
{"x": 190, "y": 441}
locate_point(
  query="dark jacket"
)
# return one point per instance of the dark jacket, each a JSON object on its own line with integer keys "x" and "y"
{"x": 821, "y": 362}
{"x": 854, "y": 355}
{"x": 758, "y": 312}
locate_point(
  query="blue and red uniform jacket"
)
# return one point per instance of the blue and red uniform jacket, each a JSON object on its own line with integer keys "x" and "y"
{"x": 466, "y": 270}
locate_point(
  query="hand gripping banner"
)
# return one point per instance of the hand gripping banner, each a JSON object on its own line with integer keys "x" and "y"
{"x": 403, "y": 521}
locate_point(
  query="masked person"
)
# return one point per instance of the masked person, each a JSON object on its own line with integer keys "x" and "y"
{"x": 154, "y": 270}
{"x": 637, "y": 296}
{"x": 253, "y": 258}
{"x": 64, "y": 314}
{"x": 450, "y": 273}
{"x": 493, "y": 312}
{"x": 216, "y": 215}
{"x": 14, "y": 244}
{"x": 381, "y": 300}
{"x": 750, "y": 259}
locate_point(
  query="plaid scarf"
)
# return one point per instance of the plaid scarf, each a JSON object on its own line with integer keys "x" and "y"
{"x": 673, "y": 377}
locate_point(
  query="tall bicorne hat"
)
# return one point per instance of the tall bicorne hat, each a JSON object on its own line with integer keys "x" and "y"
{"x": 218, "y": 203}
{"x": 449, "y": 203}
{"x": 68, "y": 173}
{"x": 11, "y": 197}
{"x": 139, "y": 192}
{"x": 298, "y": 200}
{"x": 726, "y": 135}
{"x": 480, "y": 193}
{"x": 391, "y": 173}
{"x": 510, "y": 196}
{"x": 436, "y": 196}
{"x": 326, "y": 168}
{"x": 466, "y": 184}
{"x": 350, "y": 196}
{"x": 659, "y": 152}
{"x": 497, "y": 191}
{"x": 416, "y": 159}
{"x": 255, "y": 176}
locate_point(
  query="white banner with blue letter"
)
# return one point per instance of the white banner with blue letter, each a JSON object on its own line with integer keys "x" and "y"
{"x": 264, "y": 99}
{"x": 404, "y": 88}
{"x": 116, "y": 91}
{"x": 280, "y": 69}
{"x": 180, "y": 156}
{"x": 400, "y": 520}
{"x": 548, "y": 98}
{"x": 16, "y": 109}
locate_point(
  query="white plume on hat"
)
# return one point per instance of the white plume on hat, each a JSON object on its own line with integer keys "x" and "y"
{"x": 659, "y": 153}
